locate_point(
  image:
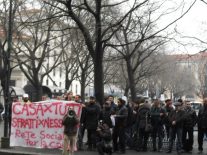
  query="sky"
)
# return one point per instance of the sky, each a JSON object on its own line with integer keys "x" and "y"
{"x": 193, "y": 24}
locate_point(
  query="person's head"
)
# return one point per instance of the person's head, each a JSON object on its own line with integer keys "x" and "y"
{"x": 178, "y": 105}
{"x": 69, "y": 96}
{"x": 92, "y": 100}
{"x": 181, "y": 101}
{"x": 136, "y": 104}
{"x": 107, "y": 105}
{"x": 25, "y": 97}
{"x": 120, "y": 102}
{"x": 156, "y": 103}
{"x": 77, "y": 98}
{"x": 142, "y": 100}
{"x": 168, "y": 102}
{"x": 188, "y": 104}
{"x": 205, "y": 101}
{"x": 111, "y": 98}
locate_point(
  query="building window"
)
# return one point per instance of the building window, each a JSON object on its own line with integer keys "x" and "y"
{"x": 60, "y": 84}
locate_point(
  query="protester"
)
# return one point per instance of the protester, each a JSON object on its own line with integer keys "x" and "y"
{"x": 202, "y": 125}
{"x": 120, "y": 127}
{"x": 188, "y": 127}
{"x": 104, "y": 144}
{"x": 143, "y": 117}
{"x": 70, "y": 122}
{"x": 113, "y": 105}
{"x": 105, "y": 114}
{"x": 92, "y": 114}
{"x": 176, "y": 119}
{"x": 25, "y": 99}
{"x": 168, "y": 108}
{"x": 157, "y": 114}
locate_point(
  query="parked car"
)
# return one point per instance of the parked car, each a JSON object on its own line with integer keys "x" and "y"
{"x": 196, "y": 105}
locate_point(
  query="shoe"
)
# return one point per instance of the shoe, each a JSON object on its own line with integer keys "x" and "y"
{"x": 144, "y": 150}
{"x": 89, "y": 149}
{"x": 169, "y": 151}
{"x": 159, "y": 150}
{"x": 138, "y": 150}
{"x": 154, "y": 150}
{"x": 121, "y": 152}
{"x": 200, "y": 152}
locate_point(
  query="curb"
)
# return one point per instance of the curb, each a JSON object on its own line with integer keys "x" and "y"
{"x": 13, "y": 152}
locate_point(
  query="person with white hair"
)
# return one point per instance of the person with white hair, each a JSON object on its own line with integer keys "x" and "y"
{"x": 25, "y": 99}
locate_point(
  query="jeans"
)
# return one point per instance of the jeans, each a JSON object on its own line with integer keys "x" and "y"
{"x": 175, "y": 132}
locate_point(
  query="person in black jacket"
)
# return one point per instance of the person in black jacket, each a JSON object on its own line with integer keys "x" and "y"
{"x": 120, "y": 126}
{"x": 157, "y": 114}
{"x": 168, "y": 108}
{"x": 105, "y": 114}
{"x": 105, "y": 143}
{"x": 188, "y": 127}
{"x": 202, "y": 125}
{"x": 143, "y": 117}
{"x": 176, "y": 119}
{"x": 92, "y": 114}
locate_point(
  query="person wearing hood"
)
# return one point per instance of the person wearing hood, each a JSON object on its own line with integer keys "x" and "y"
{"x": 202, "y": 125}
{"x": 143, "y": 117}
{"x": 188, "y": 127}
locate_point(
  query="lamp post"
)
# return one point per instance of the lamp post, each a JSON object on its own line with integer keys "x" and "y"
{"x": 7, "y": 69}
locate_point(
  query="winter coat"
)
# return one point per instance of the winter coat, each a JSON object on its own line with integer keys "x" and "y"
{"x": 143, "y": 115}
{"x": 121, "y": 116}
{"x": 105, "y": 116}
{"x": 70, "y": 125}
{"x": 190, "y": 118}
{"x": 202, "y": 117}
{"x": 178, "y": 116}
{"x": 156, "y": 119}
{"x": 92, "y": 114}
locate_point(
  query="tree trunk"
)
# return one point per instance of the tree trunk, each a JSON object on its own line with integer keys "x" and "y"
{"x": 126, "y": 90}
{"x": 38, "y": 96}
{"x": 131, "y": 81}
{"x": 83, "y": 84}
{"x": 98, "y": 78}
{"x": 68, "y": 82}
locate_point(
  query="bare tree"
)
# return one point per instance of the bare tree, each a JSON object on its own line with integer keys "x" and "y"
{"x": 31, "y": 54}
{"x": 98, "y": 33}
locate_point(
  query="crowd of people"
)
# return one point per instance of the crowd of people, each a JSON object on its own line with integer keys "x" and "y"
{"x": 115, "y": 127}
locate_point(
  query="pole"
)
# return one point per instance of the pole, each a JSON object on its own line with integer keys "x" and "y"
{"x": 8, "y": 71}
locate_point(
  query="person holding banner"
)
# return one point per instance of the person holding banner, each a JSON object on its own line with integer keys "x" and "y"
{"x": 70, "y": 123}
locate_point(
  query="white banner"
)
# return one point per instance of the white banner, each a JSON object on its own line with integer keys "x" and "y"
{"x": 39, "y": 124}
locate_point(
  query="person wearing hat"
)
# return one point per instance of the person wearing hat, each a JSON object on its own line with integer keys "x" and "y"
{"x": 176, "y": 119}
{"x": 26, "y": 99}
